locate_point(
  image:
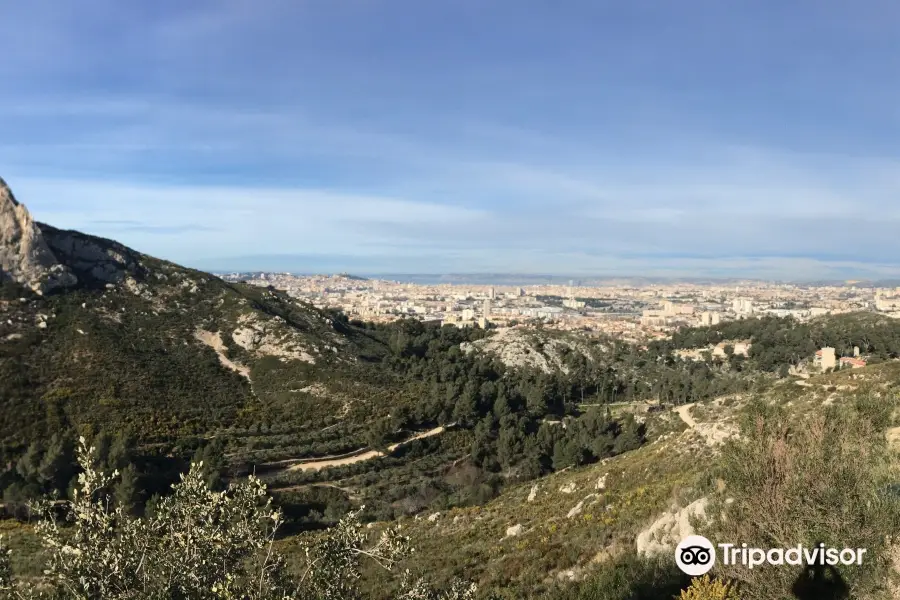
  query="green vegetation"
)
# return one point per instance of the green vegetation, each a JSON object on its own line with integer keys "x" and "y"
{"x": 827, "y": 478}
{"x": 632, "y": 578}
{"x": 531, "y": 483}
{"x": 785, "y": 341}
{"x": 704, "y": 588}
{"x": 198, "y": 544}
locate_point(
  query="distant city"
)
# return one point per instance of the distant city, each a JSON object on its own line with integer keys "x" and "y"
{"x": 634, "y": 310}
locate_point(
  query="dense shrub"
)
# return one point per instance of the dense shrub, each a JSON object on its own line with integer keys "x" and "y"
{"x": 629, "y": 578}
{"x": 826, "y": 479}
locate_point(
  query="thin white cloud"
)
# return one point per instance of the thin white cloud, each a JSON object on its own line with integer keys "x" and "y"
{"x": 229, "y": 220}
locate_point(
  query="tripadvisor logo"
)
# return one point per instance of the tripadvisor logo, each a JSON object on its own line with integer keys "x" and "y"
{"x": 696, "y": 555}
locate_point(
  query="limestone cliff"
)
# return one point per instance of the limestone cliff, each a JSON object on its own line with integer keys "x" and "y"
{"x": 24, "y": 253}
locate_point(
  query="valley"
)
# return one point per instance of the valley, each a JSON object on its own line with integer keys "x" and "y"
{"x": 532, "y": 461}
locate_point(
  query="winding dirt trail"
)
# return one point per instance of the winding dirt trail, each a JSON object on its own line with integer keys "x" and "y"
{"x": 684, "y": 412}
{"x": 316, "y": 464}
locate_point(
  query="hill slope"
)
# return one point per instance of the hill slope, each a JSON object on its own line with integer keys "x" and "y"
{"x": 93, "y": 333}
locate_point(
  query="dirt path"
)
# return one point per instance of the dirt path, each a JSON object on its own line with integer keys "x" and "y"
{"x": 684, "y": 412}
{"x": 287, "y": 462}
{"x": 352, "y": 495}
{"x": 714, "y": 433}
{"x": 360, "y": 456}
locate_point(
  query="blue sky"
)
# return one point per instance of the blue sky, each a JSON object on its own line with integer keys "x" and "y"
{"x": 586, "y": 137}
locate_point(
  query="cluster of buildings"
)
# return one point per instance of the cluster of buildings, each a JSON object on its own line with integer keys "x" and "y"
{"x": 888, "y": 301}
{"x": 635, "y": 312}
{"x": 826, "y": 359}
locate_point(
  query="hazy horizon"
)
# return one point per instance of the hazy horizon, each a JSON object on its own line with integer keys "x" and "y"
{"x": 753, "y": 139}
{"x": 530, "y": 279}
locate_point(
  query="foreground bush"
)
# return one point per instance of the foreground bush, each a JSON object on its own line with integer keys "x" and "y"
{"x": 704, "y": 588}
{"x": 629, "y": 577}
{"x": 826, "y": 478}
{"x": 198, "y": 544}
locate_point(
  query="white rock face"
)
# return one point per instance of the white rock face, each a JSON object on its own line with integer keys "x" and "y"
{"x": 514, "y": 531}
{"x": 579, "y": 508}
{"x": 533, "y": 493}
{"x": 576, "y": 510}
{"x": 247, "y": 338}
{"x": 25, "y": 256}
{"x": 569, "y": 488}
{"x": 518, "y": 348}
{"x": 601, "y": 483}
{"x": 669, "y": 529}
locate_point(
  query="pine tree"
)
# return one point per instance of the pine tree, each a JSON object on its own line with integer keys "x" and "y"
{"x": 125, "y": 492}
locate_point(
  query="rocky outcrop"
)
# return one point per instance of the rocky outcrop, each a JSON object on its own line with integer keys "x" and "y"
{"x": 520, "y": 348}
{"x": 669, "y": 529}
{"x": 90, "y": 257}
{"x": 25, "y": 255}
{"x": 44, "y": 258}
{"x": 514, "y": 531}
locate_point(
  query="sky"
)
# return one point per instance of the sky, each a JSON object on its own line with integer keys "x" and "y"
{"x": 752, "y": 138}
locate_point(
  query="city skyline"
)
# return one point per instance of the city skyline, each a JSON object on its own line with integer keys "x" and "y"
{"x": 757, "y": 140}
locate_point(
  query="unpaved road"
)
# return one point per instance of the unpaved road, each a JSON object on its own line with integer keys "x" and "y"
{"x": 350, "y": 459}
{"x": 684, "y": 412}
{"x": 713, "y": 433}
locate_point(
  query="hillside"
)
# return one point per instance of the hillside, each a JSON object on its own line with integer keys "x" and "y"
{"x": 568, "y": 533}
{"x": 94, "y": 334}
{"x": 96, "y": 337}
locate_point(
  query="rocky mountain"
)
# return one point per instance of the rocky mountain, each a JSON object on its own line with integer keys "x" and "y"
{"x": 93, "y": 333}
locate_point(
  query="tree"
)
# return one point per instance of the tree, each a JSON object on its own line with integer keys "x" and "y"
{"x": 212, "y": 461}
{"x": 27, "y": 466}
{"x": 501, "y": 406}
{"x": 379, "y": 434}
{"x": 509, "y": 444}
{"x": 465, "y": 411}
{"x": 631, "y": 436}
{"x": 126, "y": 493}
{"x": 56, "y": 467}
{"x": 536, "y": 400}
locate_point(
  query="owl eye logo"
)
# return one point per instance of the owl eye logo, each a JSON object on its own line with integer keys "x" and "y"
{"x": 695, "y": 555}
